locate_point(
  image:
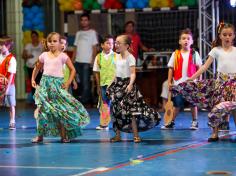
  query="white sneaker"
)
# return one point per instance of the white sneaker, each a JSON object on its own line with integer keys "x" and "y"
{"x": 12, "y": 126}
{"x": 194, "y": 125}
{"x": 102, "y": 128}
{"x": 106, "y": 128}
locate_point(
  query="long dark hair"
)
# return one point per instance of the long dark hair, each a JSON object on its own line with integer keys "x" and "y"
{"x": 220, "y": 27}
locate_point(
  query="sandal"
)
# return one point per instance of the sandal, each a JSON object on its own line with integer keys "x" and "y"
{"x": 213, "y": 139}
{"x": 65, "y": 140}
{"x": 37, "y": 139}
{"x": 115, "y": 139}
{"x": 137, "y": 139}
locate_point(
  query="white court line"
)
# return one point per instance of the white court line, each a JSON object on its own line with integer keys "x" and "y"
{"x": 91, "y": 171}
{"x": 45, "y": 167}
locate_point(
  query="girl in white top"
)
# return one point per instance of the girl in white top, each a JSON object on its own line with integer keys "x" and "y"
{"x": 213, "y": 94}
{"x": 130, "y": 113}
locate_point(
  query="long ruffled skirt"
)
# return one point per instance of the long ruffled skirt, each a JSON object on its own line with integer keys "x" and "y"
{"x": 56, "y": 107}
{"x": 124, "y": 106}
{"x": 217, "y": 95}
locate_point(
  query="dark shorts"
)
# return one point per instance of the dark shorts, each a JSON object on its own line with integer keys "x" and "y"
{"x": 180, "y": 102}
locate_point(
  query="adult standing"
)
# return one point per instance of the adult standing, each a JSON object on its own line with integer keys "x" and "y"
{"x": 136, "y": 42}
{"x": 83, "y": 56}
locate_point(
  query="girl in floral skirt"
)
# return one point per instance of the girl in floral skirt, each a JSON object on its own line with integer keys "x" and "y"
{"x": 59, "y": 113}
{"x": 130, "y": 112}
{"x": 217, "y": 95}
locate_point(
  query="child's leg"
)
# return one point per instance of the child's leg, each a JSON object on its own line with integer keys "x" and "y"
{"x": 194, "y": 112}
{"x": 62, "y": 132}
{"x": 176, "y": 112}
{"x": 10, "y": 101}
{"x": 164, "y": 101}
{"x": 178, "y": 102}
{"x": 135, "y": 130}
{"x": 63, "y": 135}
{"x": 216, "y": 117}
{"x": 12, "y": 113}
{"x": 214, "y": 136}
{"x": 37, "y": 139}
{"x": 12, "y": 124}
{"x": 117, "y": 137}
{"x": 104, "y": 123}
{"x": 224, "y": 126}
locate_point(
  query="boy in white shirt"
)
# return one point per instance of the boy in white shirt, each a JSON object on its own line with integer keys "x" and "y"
{"x": 182, "y": 65}
{"x": 8, "y": 71}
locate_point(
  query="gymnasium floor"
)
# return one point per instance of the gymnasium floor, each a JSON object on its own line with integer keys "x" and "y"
{"x": 179, "y": 152}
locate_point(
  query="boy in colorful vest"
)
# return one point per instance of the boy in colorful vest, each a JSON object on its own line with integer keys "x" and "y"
{"x": 8, "y": 71}
{"x": 104, "y": 69}
{"x": 182, "y": 65}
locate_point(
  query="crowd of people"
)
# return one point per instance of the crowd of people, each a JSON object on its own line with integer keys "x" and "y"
{"x": 52, "y": 72}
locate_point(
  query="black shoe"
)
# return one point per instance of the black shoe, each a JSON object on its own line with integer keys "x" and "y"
{"x": 169, "y": 125}
{"x": 211, "y": 139}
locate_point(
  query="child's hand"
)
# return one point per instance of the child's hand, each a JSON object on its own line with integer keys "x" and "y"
{"x": 75, "y": 85}
{"x": 65, "y": 86}
{"x": 170, "y": 86}
{"x": 99, "y": 91}
{"x": 189, "y": 80}
{"x": 129, "y": 88}
{"x": 7, "y": 90}
{"x": 33, "y": 83}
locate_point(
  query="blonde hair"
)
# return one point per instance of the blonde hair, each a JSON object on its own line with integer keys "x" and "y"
{"x": 127, "y": 41}
{"x": 49, "y": 37}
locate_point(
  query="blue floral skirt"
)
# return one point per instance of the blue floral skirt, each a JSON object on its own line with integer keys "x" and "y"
{"x": 56, "y": 107}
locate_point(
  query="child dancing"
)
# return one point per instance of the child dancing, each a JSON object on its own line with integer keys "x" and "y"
{"x": 217, "y": 95}
{"x": 129, "y": 111}
{"x": 59, "y": 113}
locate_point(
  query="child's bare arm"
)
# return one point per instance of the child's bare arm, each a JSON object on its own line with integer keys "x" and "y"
{"x": 202, "y": 68}
{"x": 97, "y": 78}
{"x": 170, "y": 77}
{"x": 35, "y": 72}
{"x": 10, "y": 78}
{"x": 72, "y": 73}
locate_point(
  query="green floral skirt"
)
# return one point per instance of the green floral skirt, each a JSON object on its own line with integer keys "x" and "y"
{"x": 56, "y": 108}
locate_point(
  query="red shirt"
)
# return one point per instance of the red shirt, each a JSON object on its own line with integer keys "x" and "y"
{"x": 135, "y": 42}
{"x": 4, "y": 67}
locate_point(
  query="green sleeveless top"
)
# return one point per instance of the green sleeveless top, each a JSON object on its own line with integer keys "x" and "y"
{"x": 107, "y": 68}
{"x": 66, "y": 72}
